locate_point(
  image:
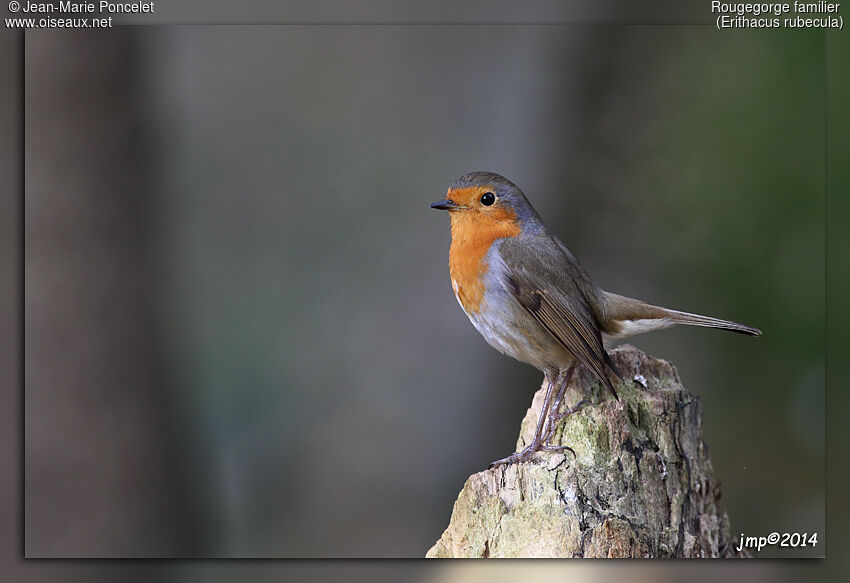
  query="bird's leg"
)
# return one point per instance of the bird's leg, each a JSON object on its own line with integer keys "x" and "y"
{"x": 555, "y": 415}
{"x": 554, "y": 419}
{"x": 553, "y": 412}
{"x": 538, "y": 432}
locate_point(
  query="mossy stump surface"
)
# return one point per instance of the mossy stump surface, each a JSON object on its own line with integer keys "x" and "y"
{"x": 640, "y": 485}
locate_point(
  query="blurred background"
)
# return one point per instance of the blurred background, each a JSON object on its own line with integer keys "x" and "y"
{"x": 240, "y": 336}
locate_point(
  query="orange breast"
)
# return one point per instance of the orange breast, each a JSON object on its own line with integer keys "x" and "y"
{"x": 473, "y": 232}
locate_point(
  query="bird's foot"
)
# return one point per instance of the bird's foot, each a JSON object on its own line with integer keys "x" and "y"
{"x": 558, "y": 448}
{"x": 519, "y": 456}
{"x": 529, "y": 451}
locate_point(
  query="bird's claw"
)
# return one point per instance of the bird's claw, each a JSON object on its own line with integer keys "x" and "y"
{"x": 558, "y": 448}
{"x": 519, "y": 456}
{"x": 529, "y": 451}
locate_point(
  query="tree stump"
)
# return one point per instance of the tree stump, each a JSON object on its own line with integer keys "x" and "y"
{"x": 640, "y": 485}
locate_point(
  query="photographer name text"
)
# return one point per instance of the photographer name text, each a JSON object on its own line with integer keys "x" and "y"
{"x": 70, "y": 7}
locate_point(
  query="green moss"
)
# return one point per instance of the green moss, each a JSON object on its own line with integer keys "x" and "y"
{"x": 587, "y": 436}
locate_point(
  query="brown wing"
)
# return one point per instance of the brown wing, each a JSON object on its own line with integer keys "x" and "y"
{"x": 566, "y": 315}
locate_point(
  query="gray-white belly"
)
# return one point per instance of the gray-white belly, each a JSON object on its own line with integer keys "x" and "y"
{"x": 510, "y": 329}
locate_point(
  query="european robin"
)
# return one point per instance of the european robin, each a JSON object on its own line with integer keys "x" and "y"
{"x": 531, "y": 299}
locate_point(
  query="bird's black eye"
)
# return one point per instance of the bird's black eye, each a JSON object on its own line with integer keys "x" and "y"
{"x": 488, "y": 198}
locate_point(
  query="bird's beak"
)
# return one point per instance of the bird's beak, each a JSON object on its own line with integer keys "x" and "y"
{"x": 446, "y": 205}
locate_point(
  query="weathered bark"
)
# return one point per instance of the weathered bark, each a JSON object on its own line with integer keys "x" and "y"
{"x": 641, "y": 483}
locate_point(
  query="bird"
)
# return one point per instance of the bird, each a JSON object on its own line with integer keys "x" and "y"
{"x": 530, "y": 298}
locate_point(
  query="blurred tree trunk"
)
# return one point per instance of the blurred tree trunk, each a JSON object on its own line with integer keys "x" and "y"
{"x": 641, "y": 483}
{"x": 100, "y": 476}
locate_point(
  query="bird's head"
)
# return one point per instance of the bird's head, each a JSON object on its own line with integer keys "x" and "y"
{"x": 485, "y": 198}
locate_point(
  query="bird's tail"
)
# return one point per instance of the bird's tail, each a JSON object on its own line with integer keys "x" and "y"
{"x": 623, "y": 317}
{"x": 709, "y": 322}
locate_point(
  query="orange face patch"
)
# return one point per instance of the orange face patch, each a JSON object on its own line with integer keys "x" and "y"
{"x": 474, "y": 229}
